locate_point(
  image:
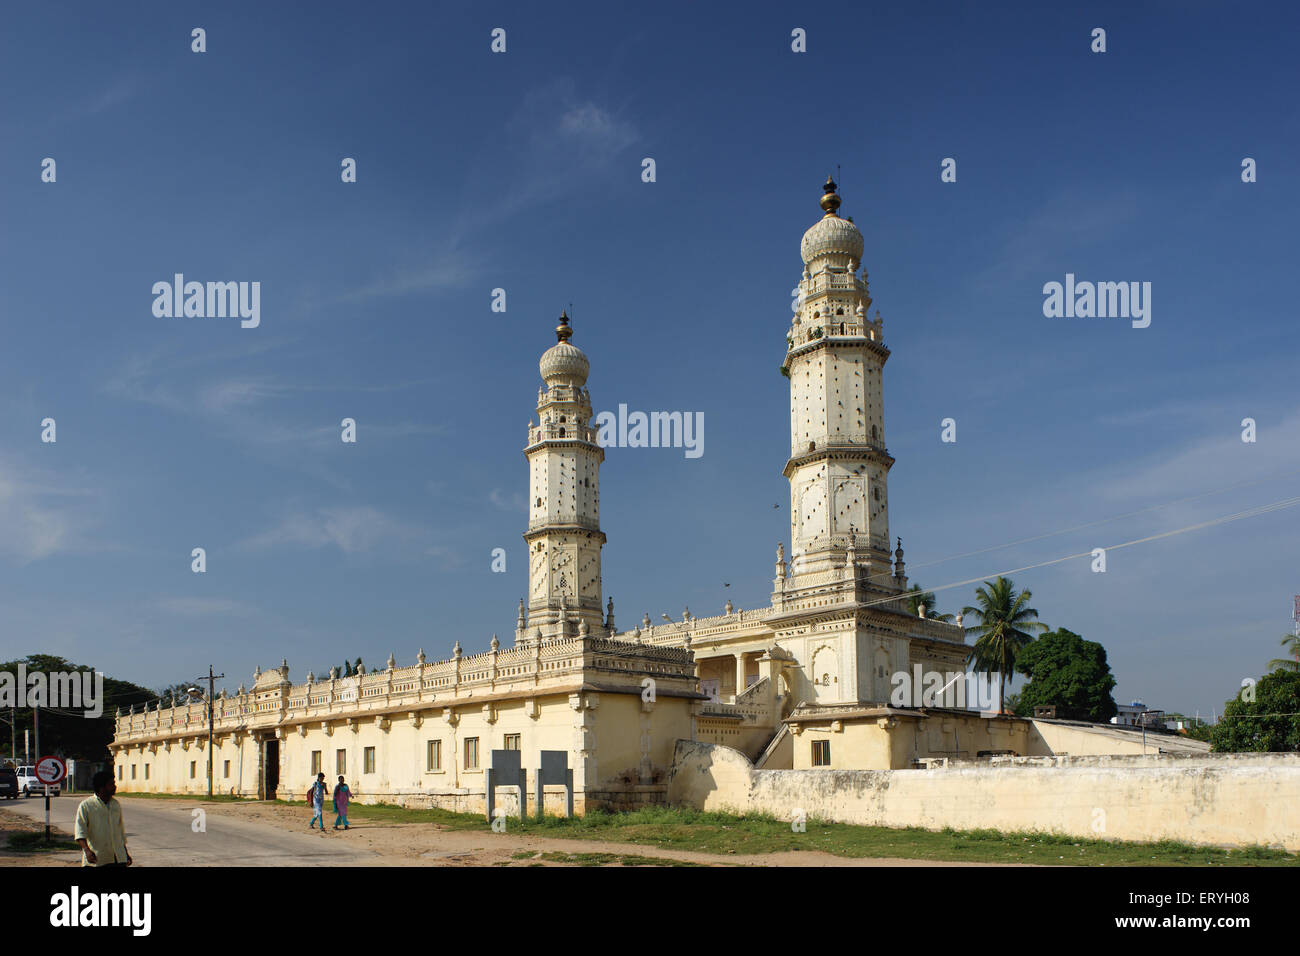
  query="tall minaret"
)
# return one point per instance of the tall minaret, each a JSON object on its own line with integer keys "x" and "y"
{"x": 564, "y": 536}
{"x": 838, "y": 464}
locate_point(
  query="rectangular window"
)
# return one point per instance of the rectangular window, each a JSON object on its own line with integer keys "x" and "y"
{"x": 315, "y": 762}
{"x": 434, "y": 761}
{"x": 821, "y": 753}
{"x": 340, "y": 761}
{"x": 471, "y": 753}
{"x": 119, "y": 773}
{"x": 512, "y": 742}
{"x": 227, "y": 768}
{"x": 368, "y": 756}
{"x": 132, "y": 771}
{"x": 146, "y": 771}
{"x": 192, "y": 763}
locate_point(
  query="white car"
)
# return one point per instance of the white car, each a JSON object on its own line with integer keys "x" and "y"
{"x": 29, "y": 786}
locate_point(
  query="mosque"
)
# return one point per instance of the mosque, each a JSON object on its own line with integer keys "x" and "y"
{"x": 803, "y": 683}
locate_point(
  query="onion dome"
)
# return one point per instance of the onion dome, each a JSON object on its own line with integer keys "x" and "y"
{"x": 832, "y": 235}
{"x": 562, "y": 363}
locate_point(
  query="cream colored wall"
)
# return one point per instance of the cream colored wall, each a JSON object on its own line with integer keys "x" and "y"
{"x": 1052, "y": 738}
{"x": 895, "y": 742}
{"x": 1234, "y": 799}
{"x": 620, "y": 730}
{"x": 169, "y": 768}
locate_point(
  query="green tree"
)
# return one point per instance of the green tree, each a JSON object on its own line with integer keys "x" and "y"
{"x": 1292, "y": 643}
{"x": 1004, "y": 624}
{"x": 1065, "y": 670}
{"x": 1193, "y": 727}
{"x": 916, "y": 597}
{"x": 1269, "y": 724}
{"x": 70, "y": 733}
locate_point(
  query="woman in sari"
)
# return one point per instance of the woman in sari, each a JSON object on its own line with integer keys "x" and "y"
{"x": 341, "y": 797}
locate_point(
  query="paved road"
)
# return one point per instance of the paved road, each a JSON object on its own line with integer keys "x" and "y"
{"x": 159, "y": 833}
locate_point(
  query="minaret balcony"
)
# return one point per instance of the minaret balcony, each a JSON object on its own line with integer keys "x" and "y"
{"x": 559, "y": 523}
{"x": 553, "y": 432}
{"x": 834, "y": 281}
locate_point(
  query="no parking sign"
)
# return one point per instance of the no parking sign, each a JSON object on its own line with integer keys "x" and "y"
{"x": 50, "y": 770}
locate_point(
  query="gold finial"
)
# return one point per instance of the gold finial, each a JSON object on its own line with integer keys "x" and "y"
{"x": 830, "y": 201}
{"x": 562, "y": 331}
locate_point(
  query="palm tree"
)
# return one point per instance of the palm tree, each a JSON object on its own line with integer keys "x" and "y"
{"x": 916, "y": 597}
{"x": 1292, "y": 643}
{"x": 1004, "y": 624}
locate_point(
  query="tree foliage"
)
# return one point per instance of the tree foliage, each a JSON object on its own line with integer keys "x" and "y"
{"x": 1269, "y": 724}
{"x": 1291, "y": 663}
{"x": 916, "y": 597}
{"x": 66, "y": 733}
{"x": 1004, "y": 624}
{"x": 1065, "y": 670}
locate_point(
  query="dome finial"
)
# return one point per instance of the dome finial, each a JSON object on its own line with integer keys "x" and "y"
{"x": 563, "y": 331}
{"x": 830, "y": 200}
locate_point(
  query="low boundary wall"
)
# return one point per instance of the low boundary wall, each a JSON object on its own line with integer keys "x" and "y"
{"x": 1220, "y": 800}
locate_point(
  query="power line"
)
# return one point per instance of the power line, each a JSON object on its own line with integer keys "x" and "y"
{"x": 1100, "y": 521}
{"x": 1249, "y": 513}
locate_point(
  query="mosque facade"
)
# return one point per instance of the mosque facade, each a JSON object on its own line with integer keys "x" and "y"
{"x": 803, "y": 682}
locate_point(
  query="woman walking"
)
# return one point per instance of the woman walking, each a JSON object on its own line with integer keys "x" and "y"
{"x": 341, "y": 797}
{"x": 316, "y": 798}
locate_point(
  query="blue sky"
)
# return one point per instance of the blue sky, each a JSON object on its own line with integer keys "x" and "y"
{"x": 522, "y": 171}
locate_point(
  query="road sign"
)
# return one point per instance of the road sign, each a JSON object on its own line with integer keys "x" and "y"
{"x": 50, "y": 770}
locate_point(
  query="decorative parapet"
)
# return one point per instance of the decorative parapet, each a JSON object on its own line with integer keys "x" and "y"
{"x": 274, "y": 702}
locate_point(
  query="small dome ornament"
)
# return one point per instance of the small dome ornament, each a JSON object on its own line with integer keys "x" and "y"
{"x": 496, "y": 644}
{"x": 562, "y": 363}
{"x": 391, "y": 661}
{"x": 832, "y": 236}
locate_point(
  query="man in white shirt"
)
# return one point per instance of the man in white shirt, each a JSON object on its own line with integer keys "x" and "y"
{"x": 99, "y": 827}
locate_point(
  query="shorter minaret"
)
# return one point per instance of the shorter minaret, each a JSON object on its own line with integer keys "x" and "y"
{"x": 564, "y": 537}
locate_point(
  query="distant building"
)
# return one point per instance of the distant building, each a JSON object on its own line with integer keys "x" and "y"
{"x": 1138, "y": 714}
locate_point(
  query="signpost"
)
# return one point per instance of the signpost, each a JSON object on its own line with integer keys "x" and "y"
{"x": 49, "y": 771}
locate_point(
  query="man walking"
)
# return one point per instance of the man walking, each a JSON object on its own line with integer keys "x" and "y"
{"x": 316, "y": 797}
{"x": 99, "y": 828}
{"x": 341, "y": 797}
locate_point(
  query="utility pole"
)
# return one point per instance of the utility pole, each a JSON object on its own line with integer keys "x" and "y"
{"x": 212, "y": 678}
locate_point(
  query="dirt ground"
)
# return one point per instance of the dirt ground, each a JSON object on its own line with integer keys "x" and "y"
{"x": 428, "y": 844}
{"x": 424, "y": 844}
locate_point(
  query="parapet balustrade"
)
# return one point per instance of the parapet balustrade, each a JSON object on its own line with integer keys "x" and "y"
{"x": 407, "y": 686}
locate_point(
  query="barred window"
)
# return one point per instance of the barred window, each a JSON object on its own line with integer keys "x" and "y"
{"x": 821, "y": 753}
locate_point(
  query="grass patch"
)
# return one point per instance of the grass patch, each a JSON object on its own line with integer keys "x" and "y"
{"x": 193, "y": 797}
{"x": 729, "y": 834}
{"x": 34, "y": 842}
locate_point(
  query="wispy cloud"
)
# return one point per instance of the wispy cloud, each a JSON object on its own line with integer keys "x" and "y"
{"x": 557, "y": 141}
{"x": 507, "y": 501}
{"x": 43, "y": 514}
{"x": 352, "y": 530}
